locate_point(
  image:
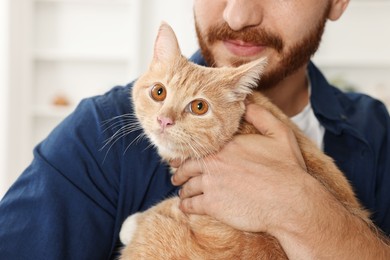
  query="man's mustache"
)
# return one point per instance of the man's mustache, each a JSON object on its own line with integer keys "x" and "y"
{"x": 257, "y": 36}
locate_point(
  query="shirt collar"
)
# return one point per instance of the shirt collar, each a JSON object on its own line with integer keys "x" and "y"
{"x": 198, "y": 58}
{"x": 324, "y": 97}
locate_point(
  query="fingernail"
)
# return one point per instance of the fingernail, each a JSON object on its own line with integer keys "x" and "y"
{"x": 173, "y": 180}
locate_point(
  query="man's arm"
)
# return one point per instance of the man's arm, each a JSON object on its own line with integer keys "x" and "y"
{"x": 63, "y": 205}
{"x": 259, "y": 183}
{"x": 326, "y": 230}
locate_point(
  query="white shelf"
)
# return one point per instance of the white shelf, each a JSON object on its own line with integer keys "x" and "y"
{"x": 51, "y": 111}
{"x": 359, "y": 62}
{"x": 81, "y": 48}
{"x": 370, "y": 2}
{"x": 92, "y": 2}
{"x": 59, "y": 55}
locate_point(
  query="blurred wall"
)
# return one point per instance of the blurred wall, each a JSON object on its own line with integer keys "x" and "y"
{"x": 3, "y": 92}
{"x": 177, "y": 13}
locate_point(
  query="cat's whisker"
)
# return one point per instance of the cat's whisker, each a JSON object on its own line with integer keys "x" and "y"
{"x": 136, "y": 140}
{"x": 140, "y": 136}
{"x": 128, "y": 115}
{"x": 183, "y": 152}
{"x": 121, "y": 132}
{"x": 119, "y": 118}
{"x": 205, "y": 151}
{"x": 112, "y": 142}
{"x": 129, "y": 125}
{"x": 200, "y": 151}
{"x": 118, "y": 124}
{"x": 117, "y": 121}
{"x": 150, "y": 145}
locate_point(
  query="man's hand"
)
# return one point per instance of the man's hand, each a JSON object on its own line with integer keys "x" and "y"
{"x": 252, "y": 182}
{"x": 259, "y": 183}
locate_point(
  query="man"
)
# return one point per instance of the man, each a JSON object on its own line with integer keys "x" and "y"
{"x": 71, "y": 201}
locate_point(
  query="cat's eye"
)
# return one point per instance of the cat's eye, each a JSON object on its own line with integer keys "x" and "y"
{"x": 158, "y": 92}
{"x": 199, "y": 107}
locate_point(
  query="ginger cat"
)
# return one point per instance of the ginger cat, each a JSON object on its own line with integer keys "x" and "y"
{"x": 190, "y": 111}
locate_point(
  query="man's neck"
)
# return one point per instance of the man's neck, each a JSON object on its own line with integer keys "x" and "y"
{"x": 291, "y": 95}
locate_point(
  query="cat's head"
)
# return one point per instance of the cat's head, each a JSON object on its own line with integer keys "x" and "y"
{"x": 186, "y": 110}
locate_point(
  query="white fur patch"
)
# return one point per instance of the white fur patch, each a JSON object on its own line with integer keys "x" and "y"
{"x": 128, "y": 229}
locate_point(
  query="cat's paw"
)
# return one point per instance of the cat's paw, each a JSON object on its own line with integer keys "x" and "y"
{"x": 128, "y": 229}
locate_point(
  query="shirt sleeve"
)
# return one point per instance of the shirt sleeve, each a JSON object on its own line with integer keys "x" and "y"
{"x": 382, "y": 187}
{"x": 63, "y": 206}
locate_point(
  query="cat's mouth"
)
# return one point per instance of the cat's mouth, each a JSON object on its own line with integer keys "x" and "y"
{"x": 172, "y": 145}
{"x": 165, "y": 142}
{"x": 171, "y": 151}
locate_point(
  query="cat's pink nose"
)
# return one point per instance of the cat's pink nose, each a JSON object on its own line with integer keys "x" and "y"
{"x": 165, "y": 121}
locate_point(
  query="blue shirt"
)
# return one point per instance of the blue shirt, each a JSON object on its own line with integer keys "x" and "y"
{"x": 71, "y": 201}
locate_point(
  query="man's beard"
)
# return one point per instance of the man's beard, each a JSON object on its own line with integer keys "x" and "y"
{"x": 290, "y": 60}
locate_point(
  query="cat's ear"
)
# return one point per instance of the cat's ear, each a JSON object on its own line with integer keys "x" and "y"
{"x": 247, "y": 77}
{"x": 166, "y": 46}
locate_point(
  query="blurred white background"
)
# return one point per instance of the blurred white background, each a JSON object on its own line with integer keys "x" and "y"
{"x": 57, "y": 52}
{"x": 3, "y": 94}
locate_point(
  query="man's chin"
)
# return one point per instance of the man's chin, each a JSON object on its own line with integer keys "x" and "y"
{"x": 222, "y": 57}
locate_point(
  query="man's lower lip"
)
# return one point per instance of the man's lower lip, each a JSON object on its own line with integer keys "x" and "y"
{"x": 243, "y": 50}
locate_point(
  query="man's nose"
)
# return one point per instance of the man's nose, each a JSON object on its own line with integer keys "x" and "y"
{"x": 243, "y": 13}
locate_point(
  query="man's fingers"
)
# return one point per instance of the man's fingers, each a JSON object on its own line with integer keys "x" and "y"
{"x": 187, "y": 170}
{"x": 268, "y": 125}
{"x": 193, "y": 205}
{"x": 191, "y": 188}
